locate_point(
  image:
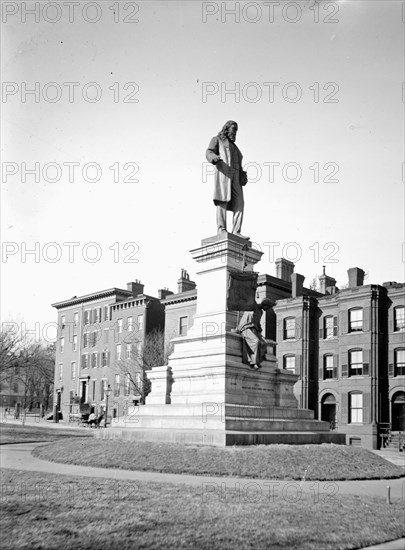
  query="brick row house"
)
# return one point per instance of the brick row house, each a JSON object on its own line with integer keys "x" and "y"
{"x": 101, "y": 337}
{"x": 347, "y": 346}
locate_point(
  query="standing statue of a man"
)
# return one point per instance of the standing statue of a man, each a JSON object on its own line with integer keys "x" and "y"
{"x": 229, "y": 177}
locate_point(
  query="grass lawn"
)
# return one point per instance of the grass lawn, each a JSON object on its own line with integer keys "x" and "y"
{"x": 15, "y": 433}
{"x": 311, "y": 462}
{"x": 53, "y": 512}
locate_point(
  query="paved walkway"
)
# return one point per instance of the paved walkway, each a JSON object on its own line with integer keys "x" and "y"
{"x": 19, "y": 457}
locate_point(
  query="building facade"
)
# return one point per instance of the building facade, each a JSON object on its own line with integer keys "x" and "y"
{"x": 347, "y": 346}
{"x": 101, "y": 339}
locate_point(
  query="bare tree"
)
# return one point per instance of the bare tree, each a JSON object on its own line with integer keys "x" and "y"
{"x": 11, "y": 343}
{"x": 144, "y": 355}
{"x": 28, "y": 363}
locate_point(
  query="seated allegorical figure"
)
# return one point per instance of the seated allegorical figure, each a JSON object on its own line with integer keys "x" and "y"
{"x": 250, "y": 328}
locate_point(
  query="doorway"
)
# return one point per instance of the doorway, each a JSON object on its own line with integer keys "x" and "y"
{"x": 398, "y": 412}
{"x": 328, "y": 410}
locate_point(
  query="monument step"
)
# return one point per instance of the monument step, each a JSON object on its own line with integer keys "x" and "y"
{"x": 220, "y": 438}
{"x": 220, "y": 423}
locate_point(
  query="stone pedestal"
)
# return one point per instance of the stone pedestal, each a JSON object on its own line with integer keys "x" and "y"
{"x": 206, "y": 394}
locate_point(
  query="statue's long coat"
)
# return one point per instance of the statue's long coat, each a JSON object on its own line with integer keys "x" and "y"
{"x": 228, "y": 169}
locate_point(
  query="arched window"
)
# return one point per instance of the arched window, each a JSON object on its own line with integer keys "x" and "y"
{"x": 399, "y": 355}
{"x": 355, "y": 362}
{"x": 329, "y": 326}
{"x": 289, "y": 328}
{"x": 289, "y": 363}
{"x": 356, "y": 319}
{"x": 328, "y": 367}
{"x": 356, "y": 408}
{"x": 399, "y": 319}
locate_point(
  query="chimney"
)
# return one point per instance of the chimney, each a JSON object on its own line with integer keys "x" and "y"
{"x": 356, "y": 277}
{"x": 135, "y": 287}
{"x": 163, "y": 293}
{"x": 327, "y": 284}
{"x": 284, "y": 269}
{"x": 184, "y": 283}
{"x": 297, "y": 282}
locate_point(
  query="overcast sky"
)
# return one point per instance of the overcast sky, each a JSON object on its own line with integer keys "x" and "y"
{"x": 317, "y": 89}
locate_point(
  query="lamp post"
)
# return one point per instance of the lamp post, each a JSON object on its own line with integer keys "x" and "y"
{"x": 107, "y": 395}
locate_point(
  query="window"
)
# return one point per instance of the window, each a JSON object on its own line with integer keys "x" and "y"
{"x": 356, "y": 362}
{"x": 130, "y": 324}
{"x": 86, "y": 340}
{"x": 60, "y": 371}
{"x": 127, "y": 385}
{"x": 140, "y": 322}
{"x": 139, "y": 349}
{"x": 106, "y": 313}
{"x": 106, "y": 358}
{"x": 289, "y": 328}
{"x": 74, "y": 343}
{"x": 116, "y": 385}
{"x": 118, "y": 352}
{"x": 93, "y": 392}
{"x": 183, "y": 326}
{"x": 73, "y": 370}
{"x": 399, "y": 319}
{"x": 94, "y": 360}
{"x": 356, "y": 408}
{"x": 289, "y": 362}
{"x": 63, "y": 321}
{"x": 76, "y": 318}
{"x": 356, "y": 320}
{"x": 15, "y": 386}
{"x": 97, "y": 315}
{"x": 62, "y": 344}
{"x": 86, "y": 317}
{"x": 129, "y": 351}
{"x": 85, "y": 361}
{"x": 106, "y": 334}
{"x": 92, "y": 339}
{"x": 399, "y": 362}
{"x": 329, "y": 327}
{"x": 328, "y": 369}
{"x": 119, "y": 322}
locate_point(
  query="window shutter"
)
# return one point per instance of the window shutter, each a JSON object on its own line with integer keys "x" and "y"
{"x": 345, "y": 370}
{"x": 366, "y": 408}
{"x": 107, "y": 358}
{"x": 298, "y": 365}
{"x": 344, "y": 327}
{"x": 344, "y": 408}
{"x": 391, "y": 369}
{"x": 335, "y": 365}
{"x": 366, "y": 319}
{"x": 335, "y": 326}
{"x": 321, "y": 332}
{"x": 366, "y": 362}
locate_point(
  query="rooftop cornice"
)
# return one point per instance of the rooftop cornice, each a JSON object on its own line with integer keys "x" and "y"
{"x": 91, "y": 297}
